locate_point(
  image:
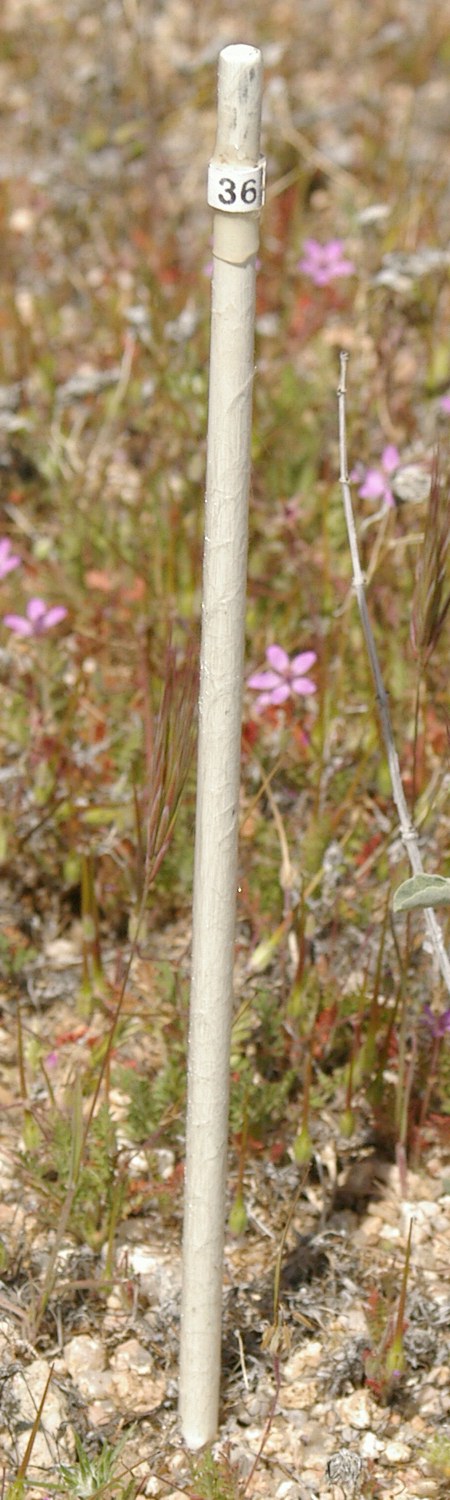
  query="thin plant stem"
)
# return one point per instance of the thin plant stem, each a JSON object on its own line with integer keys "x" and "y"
{"x": 269, "y": 1420}
{"x": 431, "y": 1079}
{"x": 407, "y": 830}
{"x": 416, "y": 738}
{"x": 405, "y": 1091}
{"x": 23, "y": 1466}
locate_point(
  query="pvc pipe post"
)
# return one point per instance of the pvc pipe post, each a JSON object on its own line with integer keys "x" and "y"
{"x": 236, "y": 193}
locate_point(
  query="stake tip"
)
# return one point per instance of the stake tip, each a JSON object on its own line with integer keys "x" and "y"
{"x": 239, "y": 54}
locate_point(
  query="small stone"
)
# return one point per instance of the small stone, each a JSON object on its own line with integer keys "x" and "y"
{"x": 172, "y": 1495}
{"x": 85, "y": 1360}
{"x": 101, "y": 1412}
{"x": 96, "y": 1385}
{"x": 370, "y": 1445}
{"x": 84, "y": 1352}
{"x": 301, "y": 1395}
{"x": 309, "y": 1354}
{"x": 159, "y": 1274}
{"x": 62, "y": 952}
{"x": 391, "y": 1231}
{"x": 312, "y": 1477}
{"x": 431, "y": 1403}
{"x": 22, "y": 220}
{"x": 397, "y": 1452}
{"x": 132, "y": 1356}
{"x": 371, "y": 1227}
{"x": 135, "y": 1384}
{"x": 357, "y": 1409}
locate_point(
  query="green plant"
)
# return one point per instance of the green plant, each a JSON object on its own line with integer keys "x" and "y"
{"x": 214, "y": 1478}
{"x": 16, "y": 952}
{"x": 262, "y": 1079}
{"x": 385, "y": 1360}
{"x": 97, "y": 1476}
{"x": 154, "y": 1102}
{"x": 438, "y": 1455}
{"x": 53, "y": 1160}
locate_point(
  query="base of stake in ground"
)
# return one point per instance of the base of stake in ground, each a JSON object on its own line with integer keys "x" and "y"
{"x": 236, "y": 192}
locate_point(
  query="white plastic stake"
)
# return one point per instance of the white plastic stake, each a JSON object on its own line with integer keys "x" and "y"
{"x": 236, "y": 193}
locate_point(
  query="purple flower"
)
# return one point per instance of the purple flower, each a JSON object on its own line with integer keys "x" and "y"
{"x": 376, "y": 485}
{"x": 8, "y": 559}
{"x": 323, "y": 263}
{"x": 444, "y": 405}
{"x": 438, "y": 1025}
{"x": 285, "y": 679}
{"x": 37, "y": 620}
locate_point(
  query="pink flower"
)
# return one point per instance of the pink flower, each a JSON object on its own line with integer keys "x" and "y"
{"x": 438, "y": 1025}
{"x": 323, "y": 263}
{"x": 444, "y": 405}
{"x": 376, "y": 484}
{"x": 37, "y": 620}
{"x": 285, "y": 679}
{"x": 8, "y": 559}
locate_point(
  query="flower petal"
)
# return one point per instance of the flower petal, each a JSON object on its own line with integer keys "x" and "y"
{"x": 312, "y": 248}
{"x": 264, "y": 680}
{"x": 303, "y": 685}
{"x": 390, "y": 458}
{"x": 18, "y": 624}
{"x": 303, "y": 662}
{"x": 54, "y": 616}
{"x": 262, "y": 702}
{"x": 281, "y": 693}
{"x": 374, "y": 485}
{"x": 36, "y": 609}
{"x": 278, "y": 658}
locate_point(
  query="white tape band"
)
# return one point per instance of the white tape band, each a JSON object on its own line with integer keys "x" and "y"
{"x": 236, "y": 189}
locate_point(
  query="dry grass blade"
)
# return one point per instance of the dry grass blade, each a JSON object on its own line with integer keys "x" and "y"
{"x": 23, "y": 1466}
{"x": 431, "y": 601}
{"x": 170, "y": 739}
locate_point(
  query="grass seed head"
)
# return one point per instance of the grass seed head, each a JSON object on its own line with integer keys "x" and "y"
{"x": 431, "y": 600}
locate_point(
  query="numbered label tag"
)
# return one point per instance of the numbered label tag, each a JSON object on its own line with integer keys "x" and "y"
{"x": 235, "y": 189}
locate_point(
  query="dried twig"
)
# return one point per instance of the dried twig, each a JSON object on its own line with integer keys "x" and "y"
{"x": 407, "y": 829}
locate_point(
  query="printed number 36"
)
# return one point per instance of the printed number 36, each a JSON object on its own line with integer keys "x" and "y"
{"x": 248, "y": 192}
